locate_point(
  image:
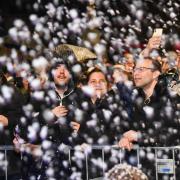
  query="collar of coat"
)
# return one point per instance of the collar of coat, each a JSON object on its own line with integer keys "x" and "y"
{"x": 66, "y": 93}
{"x": 159, "y": 92}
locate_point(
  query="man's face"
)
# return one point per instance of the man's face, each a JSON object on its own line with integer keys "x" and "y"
{"x": 98, "y": 82}
{"x": 144, "y": 73}
{"x": 61, "y": 75}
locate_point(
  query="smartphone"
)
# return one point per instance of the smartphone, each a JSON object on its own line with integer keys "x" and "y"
{"x": 158, "y": 32}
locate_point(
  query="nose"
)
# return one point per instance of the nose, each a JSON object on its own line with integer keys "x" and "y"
{"x": 136, "y": 74}
{"x": 61, "y": 70}
{"x": 98, "y": 85}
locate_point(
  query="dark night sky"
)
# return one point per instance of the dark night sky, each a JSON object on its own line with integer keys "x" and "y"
{"x": 12, "y": 9}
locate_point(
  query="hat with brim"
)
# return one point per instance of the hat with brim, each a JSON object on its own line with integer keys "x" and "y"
{"x": 82, "y": 54}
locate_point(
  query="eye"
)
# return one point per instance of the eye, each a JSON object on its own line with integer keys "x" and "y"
{"x": 92, "y": 82}
{"x": 102, "y": 81}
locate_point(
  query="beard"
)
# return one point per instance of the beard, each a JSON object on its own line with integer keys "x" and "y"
{"x": 61, "y": 85}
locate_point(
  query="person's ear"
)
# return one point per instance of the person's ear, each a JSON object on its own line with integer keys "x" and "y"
{"x": 156, "y": 74}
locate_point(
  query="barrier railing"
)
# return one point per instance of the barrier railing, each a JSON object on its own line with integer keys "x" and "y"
{"x": 163, "y": 165}
{"x": 5, "y": 149}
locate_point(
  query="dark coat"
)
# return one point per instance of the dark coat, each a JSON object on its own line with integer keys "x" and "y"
{"x": 102, "y": 123}
{"x": 157, "y": 118}
{"x": 58, "y": 131}
{"x": 12, "y": 109}
{"x": 105, "y": 121}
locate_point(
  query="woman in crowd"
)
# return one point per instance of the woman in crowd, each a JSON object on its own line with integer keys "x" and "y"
{"x": 105, "y": 116}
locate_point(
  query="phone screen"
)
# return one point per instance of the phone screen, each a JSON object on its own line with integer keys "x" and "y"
{"x": 158, "y": 32}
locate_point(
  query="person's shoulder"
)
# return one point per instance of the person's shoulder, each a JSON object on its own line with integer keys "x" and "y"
{"x": 78, "y": 90}
{"x": 79, "y": 96}
{"x": 137, "y": 93}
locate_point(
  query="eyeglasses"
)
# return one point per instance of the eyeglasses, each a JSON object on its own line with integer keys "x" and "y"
{"x": 142, "y": 69}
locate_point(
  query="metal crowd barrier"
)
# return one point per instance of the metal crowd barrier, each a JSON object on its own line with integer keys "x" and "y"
{"x": 5, "y": 149}
{"x": 162, "y": 165}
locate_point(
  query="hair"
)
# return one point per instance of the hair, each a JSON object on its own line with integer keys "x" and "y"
{"x": 57, "y": 61}
{"x": 60, "y": 59}
{"x": 156, "y": 64}
{"x": 93, "y": 70}
{"x": 125, "y": 172}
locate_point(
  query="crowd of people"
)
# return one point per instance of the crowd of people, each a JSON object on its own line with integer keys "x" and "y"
{"x": 135, "y": 102}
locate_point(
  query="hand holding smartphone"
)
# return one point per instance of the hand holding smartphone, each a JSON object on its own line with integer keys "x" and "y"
{"x": 155, "y": 40}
